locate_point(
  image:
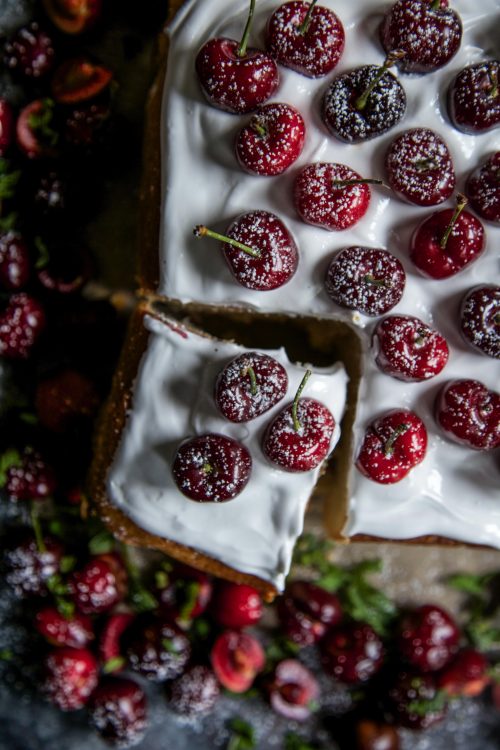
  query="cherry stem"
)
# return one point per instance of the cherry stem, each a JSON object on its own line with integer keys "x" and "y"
{"x": 307, "y": 20}
{"x": 207, "y": 468}
{"x": 242, "y": 48}
{"x": 461, "y": 203}
{"x": 202, "y": 231}
{"x": 369, "y": 279}
{"x": 296, "y": 423}
{"x": 435, "y": 4}
{"x": 37, "y": 529}
{"x": 361, "y": 181}
{"x": 391, "y": 59}
{"x": 257, "y": 125}
{"x": 492, "y": 75}
{"x": 425, "y": 165}
{"x": 254, "y": 388}
{"x": 421, "y": 338}
{"x": 389, "y": 445}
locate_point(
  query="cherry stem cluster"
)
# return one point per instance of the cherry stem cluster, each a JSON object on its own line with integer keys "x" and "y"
{"x": 296, "y": 423}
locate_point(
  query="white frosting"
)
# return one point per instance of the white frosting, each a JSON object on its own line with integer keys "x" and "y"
{"x": 455, "y": 492}
{"x": 173, "y": 400}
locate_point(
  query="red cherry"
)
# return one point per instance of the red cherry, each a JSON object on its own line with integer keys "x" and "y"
{"x": 467, "y": 675}
{"x": 483, "y": 189}
{"x": 299, "y": 437}
{"x": 447, "y": 241}
{"x": 474, "y": 98}
{"x": 306, "y": 611}
{"x": 392, "y": 446}
{"x": 233, "y": 76}
{"x": 428, "y": 638}
{"x": 110, "y": 646}
{"x": 28, "y": 476}
{"x": 259, "y": 250}
{"x": 237, "y": 658}
{"x": 305, "y": 37}
{"x": 156, "y": 649}
{"x": 71, "y": 677}
{"x": 30, "y": 52}
{"x": 293, "y": 690}
{"x": 236, "y": 605}
{"x": 480, "y": 319}
{"x": 415, "y": 702}
{"x": 6, "y": 126}
{"x": 73, "y": 16}
{"x": 194, "y": 693}
{"x": 99, "y": 585}
{"x": 419, "y": 167}
{"x": 469, "y": 414}
{"x": 212, "y": 468}
{"x": 408, "y": 349}
{"x": 35, "y": 134}
{"x": 183, "y": 594}
{"x": 78, "y": 79}
{"x": 118, "y": 711}
{"x": 75, "y": 630}
{"x": 331, "y": 196}
{"x": 21, "y": 324}
{"x": 250, "y": 385}
{"x": 352, "y": 653}
{"x": 366, "y": 279}
{"x": 15, "y": 264}
{"x": 272, "y": 140}
{"x": 429, "y": 32}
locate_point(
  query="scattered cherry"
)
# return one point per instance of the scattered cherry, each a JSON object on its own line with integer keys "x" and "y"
{"x": 236, "y": 605}
{"x": 99, "y": 585}
{"x": 293, "y": 690}
{"x": 272, "y": 140}
{"x": 352, "y": 653}
{"x": 306, "y": 611}
{"x": 118, "y": 711}
{"x": 365, "y": 279}
{"x": 28, "y": 567}
{"x": 15, "y": 263}
{"x": 75, "y": 631}
{"x": 429, "y": 32}
{"x": 35, "y": 133}
{"x": 393, "y": 445}
{"x": 467, "y": 675}
{"x": 250, "y": 385}
{"x": 156, "y": 648}
{"x": 73, "y": 16}
{"x": 71, "y": 675}
{"x": 233, "y": 76}
{"x": 111, "y": 651}
{"x": 299, "y": 437}
{"x": 474, "y": 98}
{"x": 469, "y": 414}
{"x": 305, "y": 37}
{"x": 29, "y": 476}
{"x": 78, "y": 80}
{"x": 428, "y": 638}
{"x": 6, "y": 126}
{"x": 415, "y": 701}
{"x": 65, "y": 400}
{"x": 419, "y": 167}
{"x": 447, "y": 241}
{"x": 480, "y": 319}
{"x": 237, "y": 658}
{"x": 21, "y": 324}
{"x": 183, "y": 594}
{"x": 30, "y": 52}
{"x": 408, "y": 349}
{"x": 259, "y": 250}
{"x": 195, "y": 692}
{"x": 483, "y": 189}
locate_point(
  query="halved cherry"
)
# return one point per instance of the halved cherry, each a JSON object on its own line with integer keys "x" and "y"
{"x": 236, "y": 659}
{"x": 73, "y": 16}
{"x": 79, "y": 79}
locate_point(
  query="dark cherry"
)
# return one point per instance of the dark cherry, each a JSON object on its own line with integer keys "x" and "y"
{"x": 415, "y": 701}
{"x": 352, "y": 653}
{"x": 293, "y": 690}
{"x": 6, "y": 126}
{"x": 73, "y": 16}
{"x": 236, "y": 605}
{"x": 272, "y": 140}
{"x": 99, "y": 585}
{"x": 111, "y": 650}
{"x": 474, "y": 98}
{"x": 237, "y": 658}
{"x": 15, "y": 262}
{"x": 250, "y": 385}
{"x": 428, "y": 638}
{"x": 305, "y": 37}
{"x": 118, "y": 711}
{"x": 365, "y": 279}
{"x": 28, "y": 566}
{"x": 419, "y": 167}
{"x": 74, "y": 630}
{"x": 66, "y": 270}
{"x": 21, "y": 324}
{"x": 467, "y": 675}
{"x": 363, "y": 103}
{"x": 306, "y": 611}
{"x": 65, "y": 401}
{"x": 331, "y": 196}
{"x": 27, "y": 475}
{"x": 480, "y": 319}
{"x": 408, "y": 349}
{"x": 194, "y": 693}
{"x": 469, "y": 414}
{"x": 374, "y": 735}
{"x": 156, "y": 648}
{"x": 447, "y": 241}
{"x": 483, "y": 189}
{"x": 183, "y": 593}
{"x": 30, "y": 52}
{"x": 393, "y": 445}
{"x": 212, "y": 468}
{"x": 428, "y": 31}
{"x": 79, "y": 79}
{"x": 71, "y": 676}
{"x": 86, "y": 126}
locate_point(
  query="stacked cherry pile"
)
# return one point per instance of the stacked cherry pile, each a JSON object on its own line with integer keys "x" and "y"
{"x": 419, "y": 37}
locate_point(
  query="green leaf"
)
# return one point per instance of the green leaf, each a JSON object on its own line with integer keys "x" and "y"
{"x": 200, "y": 628}
{"x": 65, "y": 607}
{"x": 427, "y": 706}
{"x": 8, "y": 460}
{"x": 281, "y": 648}
{"x": 28, "y": 417}
{"x": 41, "y": 122}
{"x": 67, "y": 563}
{"x": 8, "y": 223}
{"x": 6, "y": 654}
{"x": 43, "y": 254}
{"x": 161, "y": 579}
{"x": 141, "y": 599}
{"x": 190, "y": 591}
{"x": 242, "y": 735}
{"x": 483, "y": 634}
{"x": 56, "y": 527}
{"x": 469, "y": 583}
{"x": 102, "y": 543}
{"x": 114, "y": 664}
{"x": 295, "y": 742}
{"x": 8, "y": 180}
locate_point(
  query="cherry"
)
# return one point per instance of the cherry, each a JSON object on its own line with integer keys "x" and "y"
{"x": 236, "y": 605}
{"x": 299, "y": 437}
{"x": 237, "y": 658}
{"x": 428, "y": 638}
{"x": 74, "y": 630}
{"x": 71, "y": 675}
{"x": 85, "y": 126}
{"x": 183, "y": 594}
{"x": 419, "y": 167}
{"x": 15, "y": 263}
{"x": 373, "y": 735}
{"x": 250, "y": 385}
{"x": 99, "y": 585}
{"x": 65, "y": 270}
{"x": 415, "y": 702}
{"x": 293, "y": 690}
{"x": 259, "y": 250}
{"x": 467, "y": 675}
{"x": 21, "y": 324}
{"x": 211, "y": 468}
{"x": 35, "y": 133}
{"x": 29, "y": 565}
{"x": 272, "y": 140}
{"x": 393, "y": 445}
{"x": 469, "y": 414}
{"x": 195, "y": 692}
{"x": 366, "y": 279}
{"x": 110, "y": 646}
{"x": 27, "y": 475}
{"x": 483, "y": 189}
{"x": 474, "y": 98}
{"x": 30, "y": 52}
{"x": 480, "y": 319}
{"x": 78, "y": 80}
{"x": 306, "y": 611}
{"x": 305, "y": 37}
{"x": 65, "y": 400}
{"x": 447, "y": 241}
{"x": 6, "y": 126}
{"x": 331, "y": 196}
{"x": 73, "y": 16}
{"x": 118, "y": 711}
{"x": 156, "y": 648}
{"x": 364, "y": 103}
{"x": 233, "y": 76}
{"x": 408, "y": 349}
{"x": 429, "y": 32}
{"x": 352, "y": 653}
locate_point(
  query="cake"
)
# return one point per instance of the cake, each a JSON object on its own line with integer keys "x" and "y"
{"x": 193, "y": 177}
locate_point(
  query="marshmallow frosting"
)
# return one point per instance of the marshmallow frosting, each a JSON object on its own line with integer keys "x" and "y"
{"x": 455, "y": 492}
{"x": 173, "y": 400}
